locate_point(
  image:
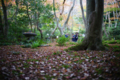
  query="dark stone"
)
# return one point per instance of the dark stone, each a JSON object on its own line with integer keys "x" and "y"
{"x": 29, "y": 35}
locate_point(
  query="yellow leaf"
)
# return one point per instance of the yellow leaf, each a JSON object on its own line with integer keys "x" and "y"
{"x": 69, "y": 62}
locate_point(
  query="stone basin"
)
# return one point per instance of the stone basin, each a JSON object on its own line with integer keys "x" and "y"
{"x": 29, "y": 34}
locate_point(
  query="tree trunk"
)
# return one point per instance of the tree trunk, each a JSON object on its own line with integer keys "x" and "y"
{"x": 84, "y": 20}
{"x": 92, "y": 40}
{"x": 61, "y": 29}
{"x": 5, "y": 19}
{"x": 29, "y": 16}
{"x": 1, "y": 24}
{"x": 105, "y": 30}
{"x": 39, "y": 28}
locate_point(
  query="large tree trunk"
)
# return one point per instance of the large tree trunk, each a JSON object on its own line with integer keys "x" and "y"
{"x": 92, "y": 40}
{"x": 5, "y": 19}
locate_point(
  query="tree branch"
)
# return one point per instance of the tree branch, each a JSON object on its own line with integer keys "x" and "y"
{"x": 85, "y": 23}
{"x": 69, "y": 14}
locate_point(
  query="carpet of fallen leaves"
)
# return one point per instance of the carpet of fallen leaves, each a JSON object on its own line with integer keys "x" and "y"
{"x": 53, "y": 63}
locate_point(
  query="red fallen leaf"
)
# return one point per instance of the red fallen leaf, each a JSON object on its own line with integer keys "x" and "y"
{"x": 8, "y": 53}
{"x": 26, "y": 50}
{"x": 76, "y": 59}
{"x": 67, "y": 77}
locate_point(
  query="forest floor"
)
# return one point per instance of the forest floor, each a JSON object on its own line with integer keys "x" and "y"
{"x": 53, "y": 63}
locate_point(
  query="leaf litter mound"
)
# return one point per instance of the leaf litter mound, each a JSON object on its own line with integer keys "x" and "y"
{"x": 53, "y": 63}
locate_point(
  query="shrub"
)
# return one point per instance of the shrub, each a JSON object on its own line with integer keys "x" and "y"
{"x": 62, "y": 40}
{"x": 118, "y": 41}
{"x": 116, "y": 50}
{"x": 106, "y": 45}
{"x": 37, "y": 44}
{"x": 115, "y": 46}
{"x": 72, "y": 43}
{"x": 110, "y": 41}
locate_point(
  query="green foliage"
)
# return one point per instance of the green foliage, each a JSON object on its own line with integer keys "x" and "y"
{"x": 117, "y": 50}
{"x": 36, "y": 44}
{"x": 66, "y": 66}
{"x": 115, "y": 46}
{"x": 110, "y": 41}
{"x": 62, "y": 40}
{"x": 118, "y": 41}
{"x": 111, "y": 9}
{"x": 57, "y": 53}
{"x": 19, "y": 20}
{"x": 99, "y": 70}
{"x": 76, "y": 47}
{"x": 80, "y": 39}
{"x": 106, "y": 45}
{"x": 114, "y": 32}
{"x": 72, "y": 43}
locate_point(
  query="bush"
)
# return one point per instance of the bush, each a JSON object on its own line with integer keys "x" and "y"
{"x": 114, "y": 32}
{"x": 72, "y": 43}
{"x": 36, "y": 44}
{"x": 115, "y": 46}
{"x": 110, "y": 41}
{"x": 116, "y": 50}
{"x": 118, "y": 41}
{"x": 62, "y": 40}
{"x": 106, "y": 45}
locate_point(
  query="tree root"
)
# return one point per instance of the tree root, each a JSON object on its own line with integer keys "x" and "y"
{"x": 88, "y": 46}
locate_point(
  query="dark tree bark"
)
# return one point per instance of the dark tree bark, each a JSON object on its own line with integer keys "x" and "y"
{"x": 5, "y": 19}
{"x": 92, "y": 40}
{"x": 39, "y": 28}
{"x": 1, "y": 24}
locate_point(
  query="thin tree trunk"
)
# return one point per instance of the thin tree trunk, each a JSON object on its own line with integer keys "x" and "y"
{"x": 57, "y": 19}
{"x": 29, "y": 15}
{"x": 38, "y": 27}
{"x": 69, "y": 14}
{"x": 39, "y": 30}
{"x": 105, "y": 30}
{"x": 117, "y": 16}
{"x": 6, "y": 26}
{"x": 109, "y": 19}
{"x": 118, "y": 3}
{"x": 1, "y": 24}
{"x": 54, "y": 30}
{"x": 85, "y": 23}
